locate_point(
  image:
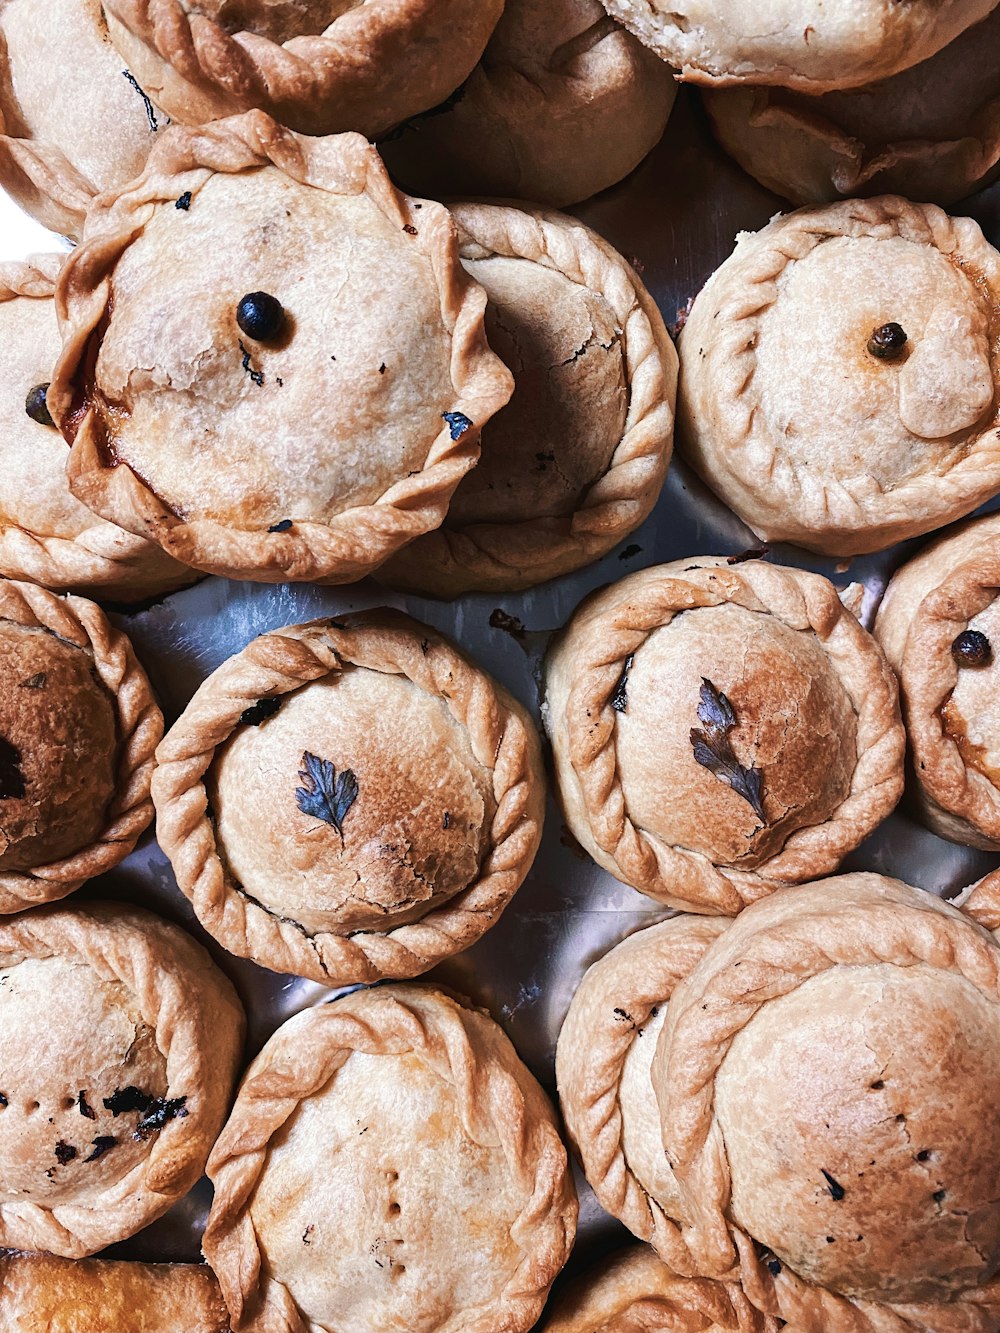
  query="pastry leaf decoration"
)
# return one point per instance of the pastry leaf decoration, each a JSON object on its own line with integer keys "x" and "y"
{"x": 714, "y": 751}
{"x": 324, "y": 795}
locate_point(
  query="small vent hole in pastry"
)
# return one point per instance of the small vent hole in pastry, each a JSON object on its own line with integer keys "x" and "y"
{"x": 680, "y": 22}
{"x": 394, "y": 1209}
{"x": 32, "y": 1107}
{"x": 68, "y": 1103}
{"x": 392, "y": 1177}
{"x": 397, "y": 1270}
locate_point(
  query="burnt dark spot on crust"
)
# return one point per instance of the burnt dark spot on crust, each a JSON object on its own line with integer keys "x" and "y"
{"x": 65, "y": 1152}
{"x": 836, "y": 1189}
{"x": 755, "y": 553}
{"x": 260, "y": 711}
{"x": 125, "y": 1100}
{"x": 619, "y": 700}
{"x": 159, "y": 1114}
{"x": 184, "y": 202}
{"x": 446, "y": 821}
{"x": 150, "y": 113}
{"x": 284, "y": 526}
{"x": 102, "y": 1144}
{"x": 84, "y": 1106}
{"x": 410, "y": 229}
{"x": 12, "y": 785}
{"x": 458, "y": 423}
{"x": 256, "y": 375}
{"x": 35, "y": 682}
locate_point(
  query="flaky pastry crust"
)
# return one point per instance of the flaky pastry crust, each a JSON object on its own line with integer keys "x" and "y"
{"x": 227, "y": 532}
{"x": 187, "y": 1007}
{"x": 596, "y": 381}
{"x": 587, "y": 708}
{"x": 790, "y": 418}
{"x": 502, "y": 740}
{"x": 483, "y": 1093}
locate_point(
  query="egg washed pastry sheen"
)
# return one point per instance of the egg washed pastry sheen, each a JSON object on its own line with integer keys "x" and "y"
{"x": 931, "y": 132}
{"x": 43, "y": 1294}
{"x": 563, "y": 104}
{"x": 119, "y": 1042}
{"x": 318, "y": 66}
{"x": 791, "y": 1097}
{"x": 46, "y": 535}
{"x": 838, "y": 375}
{"x": 73, "y": 120}
{"x": 78, "y": 728}
{"x": 445, "y": 1200}
{"x": 719, "y": 730}
{"x": 576, "y": 460}
{"x": 350, "y": 799}
{"x": 795, "y": 43}
{"x": 260, "y": 406}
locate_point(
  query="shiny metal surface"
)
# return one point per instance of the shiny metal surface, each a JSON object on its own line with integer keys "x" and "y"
{"x": 676, "y": 218}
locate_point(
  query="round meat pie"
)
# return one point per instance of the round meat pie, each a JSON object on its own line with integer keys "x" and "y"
{"x": 563, "y": 104}
{"x": 444, "y": 1200}
{"x": 46, "y": 535}
{"x": 350, "y": 799}
{"x": 576, "y": 460}
{"x": 78, "y": 728}
{"x": 838, "y": 375}
{"x": 319, "y": 66}
{"x": 719, "y": 730}
{"x": 119, "y": 1043}
{"x": 790, "y": 1099}
{"x": 260, "y": 405}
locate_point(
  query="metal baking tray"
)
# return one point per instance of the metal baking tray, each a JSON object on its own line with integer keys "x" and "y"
{"x": 675, "y": 218}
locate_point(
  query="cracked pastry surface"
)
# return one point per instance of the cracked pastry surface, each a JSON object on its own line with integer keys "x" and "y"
{"x": 46, "y": 534}
{"x": 316, "y": 448}
{"x": 577, "y": 458}
{"x": 563, "y": 104}
{"x": 931, "y": 132}
{"x": 797, "y": 424}
{"x": 350, "y": 799}
{"x": 450, "y": 1208}
{"x": 816, "y": 1069}
{"x": 712, "y": 814}
{"x": 795, "y": 44}
{"x": 119, "y": 1041}
{"x": 320, "y": 67}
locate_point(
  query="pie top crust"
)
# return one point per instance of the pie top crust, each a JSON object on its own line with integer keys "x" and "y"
{"x": 952, "y": 720}
{"x": 318, "y": 66}
{"x": 350, "y": 799}
{"x": 789, "y": 417}
{"x": 452, "y": 1209}
{"x": 141, "y": 1036}
{"x": 46, "y": 535}
{"x": 576, "y": 460}
{"x": 78, "y": 726}
{"x": 43, "y": 1294}
{"x": 564, "y": 103}
{"x": 825, "y": 1053}
{"x": 312, "y": 455}
{"x": 815, "y": 714}
{"x": 795, "y": 44}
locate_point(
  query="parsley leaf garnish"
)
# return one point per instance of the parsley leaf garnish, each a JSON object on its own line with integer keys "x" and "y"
{"x": 713, "y": 750}
{"x": 325, "y": 795}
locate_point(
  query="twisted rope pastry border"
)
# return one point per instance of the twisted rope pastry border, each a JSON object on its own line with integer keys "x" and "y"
{"x": 500, "y": 735}
{"x": 359, "y": 538}
{"x": 741, "y": 459}
{"x": 138, "y": 723}
{"x": 520, "y": 553}
{"x": 42, "y": 178}
{"x": 500, "y": 1104}
{"x": 804, "y": 602}
{"x": 198, "y": 1024}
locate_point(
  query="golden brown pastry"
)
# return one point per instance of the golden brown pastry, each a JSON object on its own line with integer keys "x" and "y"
{"x": 931, "y": 132}
{"x": 350, "y": 799}
{"x": 119, "y": 1042}
{"x": 795, "y": 43}
{"x": 319, "y": 66}
{"x": 46, "y": 535}
{"x": 838, "y": 375}
{"x": 721, "y": 729}
{"x": 73, "y": 120}
{"x": 259, "y": 405}
{"x": 444, "y": 1200}
{"x": 563, "y": 104}
{"x": 576, "y": 460}
{"x": 43, "y": 1294}
{"x": 939, "y": 624}
{"x": 787, "y": 1099}
{"x": 78, "y": 728}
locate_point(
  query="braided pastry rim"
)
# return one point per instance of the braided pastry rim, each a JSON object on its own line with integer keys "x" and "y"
{"x": 502, "y": 738}
{"x": 198, "y": 1024}
{"x": 605, "y": 640}
{"x": 499, "y": 1104}
{"x": 744, "y": 464}
{"x": 139, "y": 728}
{"x": 44, "y": 182}
{"x": 519, "y": 553}
{"x": 359, "y": 538}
